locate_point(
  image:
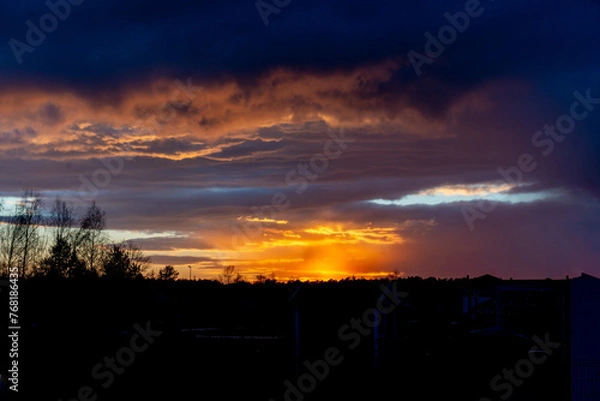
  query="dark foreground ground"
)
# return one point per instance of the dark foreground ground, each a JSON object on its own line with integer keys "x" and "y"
{"x": 203, "y": 341}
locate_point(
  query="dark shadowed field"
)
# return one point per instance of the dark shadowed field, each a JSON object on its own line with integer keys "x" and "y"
{"x": 205, "y": 341}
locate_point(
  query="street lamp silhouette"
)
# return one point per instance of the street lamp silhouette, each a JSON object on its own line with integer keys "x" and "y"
{"x": 190, "y": 267}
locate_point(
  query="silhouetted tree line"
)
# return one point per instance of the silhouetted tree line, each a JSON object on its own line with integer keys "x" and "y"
{"x": 56, "y": 243}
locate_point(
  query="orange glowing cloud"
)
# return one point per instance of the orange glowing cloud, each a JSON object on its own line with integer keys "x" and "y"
{"x": 61, "y": 124}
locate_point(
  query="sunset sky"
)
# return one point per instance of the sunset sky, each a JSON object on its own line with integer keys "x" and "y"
{"x": 311, "y": 147}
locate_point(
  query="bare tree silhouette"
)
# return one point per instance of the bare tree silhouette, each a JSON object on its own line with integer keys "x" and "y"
{"x": 230, "y": 275}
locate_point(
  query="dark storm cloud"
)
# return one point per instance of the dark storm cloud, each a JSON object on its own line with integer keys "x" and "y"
{"x": 112, "y": 40}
